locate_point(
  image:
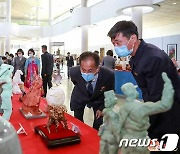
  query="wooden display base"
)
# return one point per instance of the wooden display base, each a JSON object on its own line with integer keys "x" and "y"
{"x": 57, "y": 138}
{"x": 30, "y": 116}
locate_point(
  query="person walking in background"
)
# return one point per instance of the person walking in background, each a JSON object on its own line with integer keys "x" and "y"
{"x": 8, "y": 58}
{"x": 19, "y": 63}
{"x": 4, "y": 60}
{"x": 47, "y": 69}
{"x": 11, "y": 58}
{"x": 90, "y": 82}
{"x": 70, "y": 63}
{"x": 109, "y": 61}
{"x": 6, "y": 54}
{"x": 96, "y": 52}
{"x": 32, "y": 68}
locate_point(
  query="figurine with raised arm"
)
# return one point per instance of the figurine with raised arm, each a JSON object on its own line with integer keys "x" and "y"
{"x": 6, "y": 81}
{"x": 134, "y": 117}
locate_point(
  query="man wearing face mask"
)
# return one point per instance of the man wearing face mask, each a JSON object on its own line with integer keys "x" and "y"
{"x": 90, "y": 80}
{"x": 19, "y": 63}
{"x": 147, "y": 63}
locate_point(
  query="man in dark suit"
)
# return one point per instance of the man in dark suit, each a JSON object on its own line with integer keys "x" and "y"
{"x": 70, "y": 63}
{"x": 19, "y": 63}
{"x": 47, "y": 68}
{"x": 147, "y": 63}
{"x": 90, "y": 82}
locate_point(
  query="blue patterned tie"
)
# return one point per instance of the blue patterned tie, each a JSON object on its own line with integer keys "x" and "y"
{"x": 90, "y": 88}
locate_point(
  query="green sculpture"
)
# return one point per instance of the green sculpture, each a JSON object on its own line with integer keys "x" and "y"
{"x": 132, "y": 119}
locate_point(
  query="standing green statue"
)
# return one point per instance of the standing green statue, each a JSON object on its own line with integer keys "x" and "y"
{"x": 6, "y": 82}
{"x": 132, "y": 119}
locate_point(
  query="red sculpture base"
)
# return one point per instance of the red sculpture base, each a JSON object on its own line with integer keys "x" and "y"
{"x": 57, "y": 138}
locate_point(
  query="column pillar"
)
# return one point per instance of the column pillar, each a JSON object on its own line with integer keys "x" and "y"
{"x": 37, "y": 16}
{"x": 8, "y": 43}
{"x": 50, "y": 23}
{"x": 8, "y": 11}
{"x": 84, "y": 39}
{"x": 83, "y": 3}
{"x": 137, "y": 17}
{"x": 8, "y": 20}
{"x": 2, "y": 47}
{"x": 37, "y": 46}
{"x": 2, "y": 11}
{"x": 84, "y": 32}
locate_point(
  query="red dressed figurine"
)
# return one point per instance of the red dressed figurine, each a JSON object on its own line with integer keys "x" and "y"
{"x": 31, "y": 100}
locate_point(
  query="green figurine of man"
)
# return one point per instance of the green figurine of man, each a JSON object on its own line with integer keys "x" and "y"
{"x": 133, "y": 118}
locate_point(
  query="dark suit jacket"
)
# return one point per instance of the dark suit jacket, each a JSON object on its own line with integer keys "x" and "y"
{"x": 147, "y": 66}
{"x": 70, "y": 61}
{"x": 80, "y": 98}
{"x": 19, "y": 64}
{"x": 47, "y": 63}
{"x": 109, "y": 62}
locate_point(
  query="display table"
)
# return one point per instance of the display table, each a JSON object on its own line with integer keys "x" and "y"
{"x": 32, "y": 143}
{"x": 122, "y": 77}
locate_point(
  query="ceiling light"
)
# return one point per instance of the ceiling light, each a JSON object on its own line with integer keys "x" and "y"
{"x": 145, "y": 9}
{"x": 174, "y": 3}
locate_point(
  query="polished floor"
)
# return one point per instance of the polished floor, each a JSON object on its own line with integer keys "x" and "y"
{"x": 67, "y": 87}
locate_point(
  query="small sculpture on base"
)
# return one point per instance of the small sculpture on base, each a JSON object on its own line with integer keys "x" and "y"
{"x": 17, "y": 81}
{"x": 31, "y": 100}
{"x": 56, "y": 132}
{"x": 56, "y": 77}
{"x": 56, "y": 116}
{"x": 132, "y": 119}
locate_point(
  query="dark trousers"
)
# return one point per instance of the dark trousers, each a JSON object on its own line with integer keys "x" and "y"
{"x": 46, "y": 81}
{"x": 22, "y": 78}
{"x": 68, "y": 71}
{"x": 79, "y": 113}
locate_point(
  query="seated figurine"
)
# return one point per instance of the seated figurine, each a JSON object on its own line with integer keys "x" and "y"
{"x": 6, "y": 81}
{"x": 133, "y": 118}
{"x": 31, "y": 100}
{"x": 17, "y": 81}
{"x": 57, "y": 77}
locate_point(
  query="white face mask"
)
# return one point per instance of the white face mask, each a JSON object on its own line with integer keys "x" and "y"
{"x": 20, "y": 55}
{"x": 31, "y": 55}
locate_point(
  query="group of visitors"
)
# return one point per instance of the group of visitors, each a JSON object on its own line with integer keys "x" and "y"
{"x": 31, "y": 66}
